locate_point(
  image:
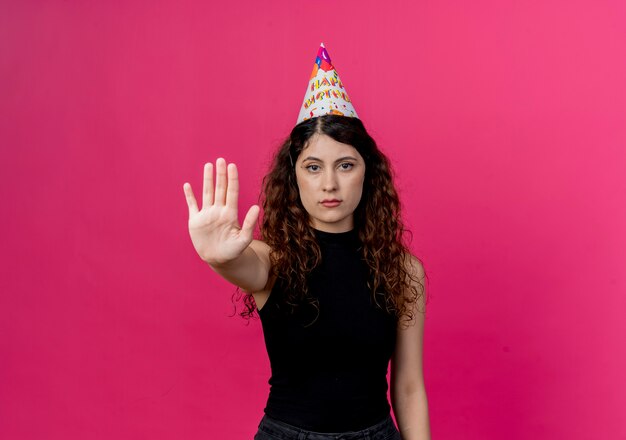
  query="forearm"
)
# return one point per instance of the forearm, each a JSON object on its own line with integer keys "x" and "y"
{"x": 245, "y": 271}
{"x": 411, "y": 412}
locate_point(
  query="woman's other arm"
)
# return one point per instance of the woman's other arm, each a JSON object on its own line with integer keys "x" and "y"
{"x": 408, "y": 393}
{"x": 216, "y": 235}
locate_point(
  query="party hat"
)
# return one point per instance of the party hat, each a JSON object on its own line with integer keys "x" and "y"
{"x": 325, "y": 93}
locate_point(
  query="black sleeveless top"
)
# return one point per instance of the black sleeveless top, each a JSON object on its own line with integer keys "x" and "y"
{"x": 330, "y": 375}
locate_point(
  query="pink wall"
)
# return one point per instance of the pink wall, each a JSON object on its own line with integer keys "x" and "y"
{"x": 504, "y": 120}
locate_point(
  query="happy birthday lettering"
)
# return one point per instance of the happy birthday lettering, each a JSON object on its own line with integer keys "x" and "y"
{"x": 326, "y": 82}
{"x": 323, "y": 94}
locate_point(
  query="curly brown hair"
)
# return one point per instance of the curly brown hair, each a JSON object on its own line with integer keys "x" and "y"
{"x": 294, "y": 249}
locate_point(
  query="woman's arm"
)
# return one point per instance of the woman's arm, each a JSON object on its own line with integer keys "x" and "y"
{"x": 249, "y": 271}
{"x": 408, "y": 393}
{"x": 216, "y": 235}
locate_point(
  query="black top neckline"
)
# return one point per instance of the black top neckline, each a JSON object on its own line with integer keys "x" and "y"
{"x": 348, "y": 237}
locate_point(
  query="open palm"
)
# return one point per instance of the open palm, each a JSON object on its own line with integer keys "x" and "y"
{"x": 214, "y": 230}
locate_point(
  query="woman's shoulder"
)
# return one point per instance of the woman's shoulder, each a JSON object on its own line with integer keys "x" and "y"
{"x": 413, "y": 265}
{"x": 416, "y": 288}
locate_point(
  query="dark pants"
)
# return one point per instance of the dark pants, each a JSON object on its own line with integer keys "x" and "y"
{"x": 272, "y": 429}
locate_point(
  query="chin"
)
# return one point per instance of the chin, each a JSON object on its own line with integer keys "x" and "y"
{"x": 331, "y": 221}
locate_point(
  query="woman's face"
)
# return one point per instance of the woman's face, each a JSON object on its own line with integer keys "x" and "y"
{"x": 330, "y": 180}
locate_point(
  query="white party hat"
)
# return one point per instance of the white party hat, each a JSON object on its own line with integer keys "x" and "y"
{"x": 325, "y": 93}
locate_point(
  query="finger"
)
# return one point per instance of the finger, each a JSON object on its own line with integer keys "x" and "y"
{"x": 232, "y": 193}
{"x": 207, "y": 189}
{"x": 191, "y": 200}
{"x": 247, "y": 228}
{"x": 220, "y": 182}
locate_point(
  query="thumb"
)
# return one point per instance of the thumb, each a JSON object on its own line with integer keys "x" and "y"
{"x": 248, "y": 223}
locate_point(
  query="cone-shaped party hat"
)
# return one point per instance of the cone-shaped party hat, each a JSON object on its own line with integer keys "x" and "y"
{"x": 325, "y": 93}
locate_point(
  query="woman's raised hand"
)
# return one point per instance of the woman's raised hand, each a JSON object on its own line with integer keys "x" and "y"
{"x": 214, "y": 229}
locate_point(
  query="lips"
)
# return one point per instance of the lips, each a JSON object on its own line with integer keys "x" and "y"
{"x": 330, "y": 203}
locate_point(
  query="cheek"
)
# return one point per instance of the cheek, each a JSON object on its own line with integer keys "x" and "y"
{"x": 357, "y": 186}
{"x": 304, "y": 190}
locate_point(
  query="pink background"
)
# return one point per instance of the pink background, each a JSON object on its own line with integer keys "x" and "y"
{"x": 505, "y": 122}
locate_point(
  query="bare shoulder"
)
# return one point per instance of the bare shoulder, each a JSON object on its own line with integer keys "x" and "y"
{"x": 416, "y": 279}
{"x": 414, "y": 266}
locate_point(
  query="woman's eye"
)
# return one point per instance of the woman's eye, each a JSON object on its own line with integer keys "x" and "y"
{"x": 349, "y": 165}
{"x": 312, "y": 167}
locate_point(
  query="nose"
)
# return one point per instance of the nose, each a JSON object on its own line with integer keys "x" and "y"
{"x": 329, "y": 182}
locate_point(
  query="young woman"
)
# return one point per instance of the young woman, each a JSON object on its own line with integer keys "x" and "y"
{"x": 338, "y": 293}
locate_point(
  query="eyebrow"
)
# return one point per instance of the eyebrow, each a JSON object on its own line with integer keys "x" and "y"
{"x": 338, "y": 160}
